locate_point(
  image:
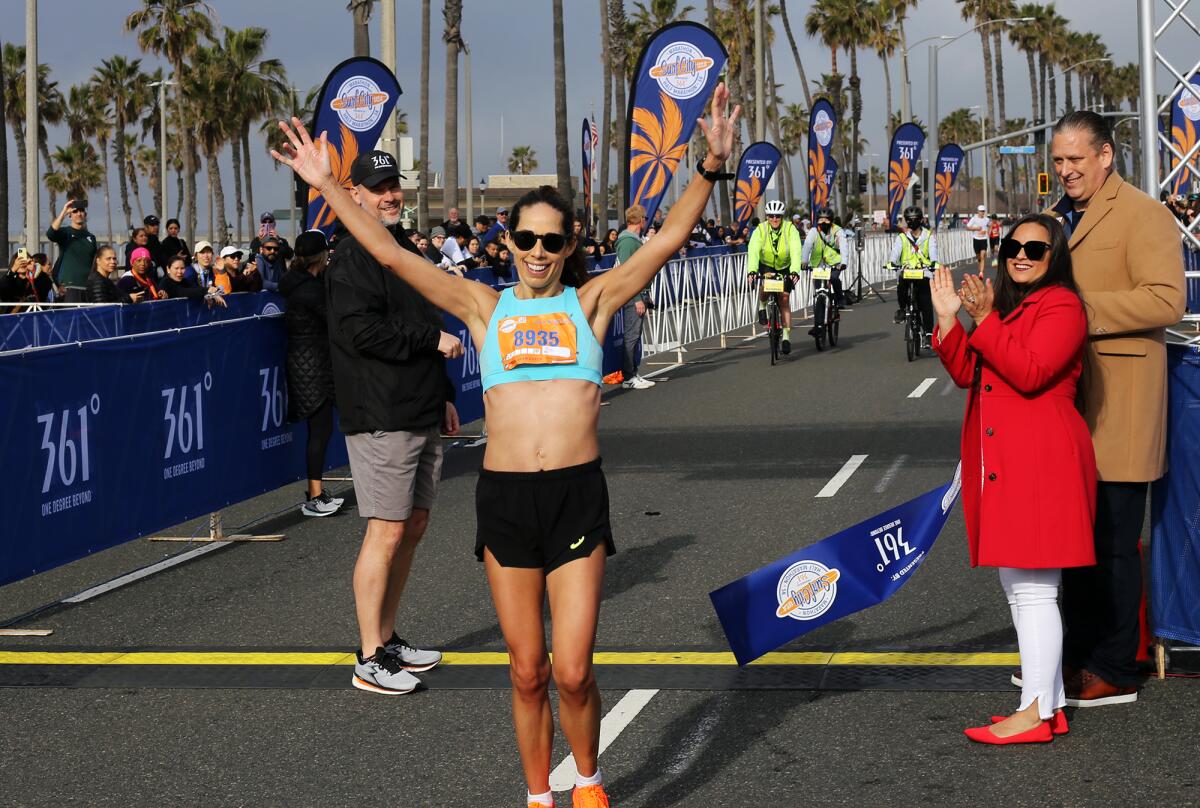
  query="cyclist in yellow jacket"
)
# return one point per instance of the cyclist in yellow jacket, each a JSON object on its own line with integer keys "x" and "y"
{"x": 775, "y": 247}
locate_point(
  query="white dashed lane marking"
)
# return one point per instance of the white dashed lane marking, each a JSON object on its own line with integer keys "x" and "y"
{"x": 624, "y": 711}
{"x": 844, "y": 474}
{"x": 921, "y": 388}
{"x": 890, "y": 474}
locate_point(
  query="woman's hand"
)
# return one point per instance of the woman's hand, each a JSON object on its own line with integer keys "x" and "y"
{"x": 977, "y": 297}
{"x": 308, "y": 159}
{"x": 945, "y": 299}
{"x": 719, "y": 133}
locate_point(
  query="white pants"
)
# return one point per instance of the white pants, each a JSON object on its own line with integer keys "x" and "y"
{"x": 1033, "y": 600}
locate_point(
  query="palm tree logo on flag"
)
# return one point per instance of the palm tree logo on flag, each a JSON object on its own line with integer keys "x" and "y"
{"x": 655, "y": 148}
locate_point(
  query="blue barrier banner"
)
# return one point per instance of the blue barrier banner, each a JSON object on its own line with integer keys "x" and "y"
{"x": 754, "y": 173}
{"x": 1175, "y": 507}
{"x": 949, "y": 161}
{"x": 353, "y": 106}
{"x": 675, "y": 75}
{"x": 36, "y": 329}
{"x": 822, "y": 123}
{"x": 907, "y": 142}
{"x": 111, "y": 440}
{"x": 851, "y": 570}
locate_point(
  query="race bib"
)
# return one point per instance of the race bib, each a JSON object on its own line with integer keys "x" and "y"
{"x": 537, "y": 339}
{"x": 774, "y": 285}
{"x": 822, "y": 273}
{"x": 914, "y": 274}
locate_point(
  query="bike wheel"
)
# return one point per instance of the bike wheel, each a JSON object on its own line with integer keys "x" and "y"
{"x": 909, "y": 342}
{"x": 774, "y": 331}
{"x": 834, "y": 327}
{"x": 819, "y": 305}
{"x": 918, "y": 334}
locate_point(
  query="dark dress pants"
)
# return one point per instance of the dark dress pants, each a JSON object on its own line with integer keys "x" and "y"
{"x": 633, "y": 335}
{"x": 1101, "y": 604}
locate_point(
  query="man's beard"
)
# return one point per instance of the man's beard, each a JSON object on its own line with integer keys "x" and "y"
{"x": 390, "y": 218}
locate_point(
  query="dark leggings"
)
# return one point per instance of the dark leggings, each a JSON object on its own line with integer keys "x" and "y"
{"x": 320, "y": 429}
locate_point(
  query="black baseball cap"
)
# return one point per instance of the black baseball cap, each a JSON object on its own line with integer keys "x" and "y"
{"x": 311, "y": 242}
{"x": 373, "y": 168}
{"x": 151, "y": 219}
{"x": 79, "y": 204}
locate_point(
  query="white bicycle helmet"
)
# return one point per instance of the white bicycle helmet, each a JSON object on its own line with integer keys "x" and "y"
{"x": 775, "y": 208}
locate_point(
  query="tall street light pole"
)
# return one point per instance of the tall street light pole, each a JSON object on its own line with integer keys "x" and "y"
{"x": 32, "y": 187}
{"x": 760, "y": 93}
{"x": 470, "y": 138}
{"x": 162, "y": 144}
{"x": 387, "y": 53}
{"x": 931, "y": 139}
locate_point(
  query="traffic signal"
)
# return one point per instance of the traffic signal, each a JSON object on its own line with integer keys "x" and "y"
{"x": 1043, "y": 184}
{"x": 916, "y": 189}
{"x": 862, "y": 182}
{"x": 1039, "y": 137}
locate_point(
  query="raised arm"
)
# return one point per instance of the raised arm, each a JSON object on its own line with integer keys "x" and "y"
{"x": 618, "y": 286}
{"x": 469, "y": 301}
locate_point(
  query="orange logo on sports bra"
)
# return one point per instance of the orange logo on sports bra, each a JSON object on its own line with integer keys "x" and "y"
{"x": 537, "y": 339}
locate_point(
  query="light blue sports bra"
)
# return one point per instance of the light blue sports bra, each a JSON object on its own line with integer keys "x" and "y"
{"x": 539, "y": 339}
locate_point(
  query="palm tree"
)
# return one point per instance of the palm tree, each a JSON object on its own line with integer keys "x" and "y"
{"x": 875, "y": 178}
{"x": 787, "y": 29}
{"x": 78, "y": 170}
{"x": 206, "y": 83}
{"x": 51, "y": 108}
{"x": 361, "y": 12}
{"x": 618, "y": 55}
{"x": 885, "y": 39}
{"x": 898, "y": 9}
{"x": 960, "y": 126}
{"x": 174, "y": 29}
{"x": 562, "y": 149}
{"x": 605, "y": 112}
{"x": 523, "y": 160}
{"x": 648, "y": 17}
{"x": 147, "y": 164}
{"x": 423, "y": 167}
{"x": 977, "y": 12}
{"x": 1026, "y": 37}
{"x": 773, "y": 118}
{"x": 1055, "y": 31}
{"x": 118, "y": 80}
{"x": 3, "y": 153}
{"x": 452, "y": 36}
{"x": 258, "y": 89}
{"x": 103, "y": 132}
{"x": 845, "y": 24}
{"x": 129, "y": 146}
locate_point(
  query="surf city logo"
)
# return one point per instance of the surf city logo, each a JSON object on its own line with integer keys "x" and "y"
{"x": 681, "y": 70}
{"x": 359, "y": 103}
{"x": 823, "y": 127}
{"x": 806, "y": 590}
{"x": 1189, "y": 102}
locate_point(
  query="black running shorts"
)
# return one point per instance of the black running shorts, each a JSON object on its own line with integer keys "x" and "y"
{"x": 980, "y": 245}
{"x": 542, "y": 519}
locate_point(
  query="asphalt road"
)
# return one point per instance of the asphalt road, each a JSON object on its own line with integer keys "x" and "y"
{"x": 712, "y": 474}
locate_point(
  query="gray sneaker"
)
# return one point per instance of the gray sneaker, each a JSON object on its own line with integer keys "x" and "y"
{"x": 321, "y": 505}
{"x": 412, "y": 659}
{"x": 383, "y": 674}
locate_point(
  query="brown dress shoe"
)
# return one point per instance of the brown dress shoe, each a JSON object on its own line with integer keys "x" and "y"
{"x": 1092, "y": 691}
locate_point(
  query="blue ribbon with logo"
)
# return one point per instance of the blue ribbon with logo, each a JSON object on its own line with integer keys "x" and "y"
{"x": 949, "y": 161}
{"x": 353, "y": 106}
{"x": 847, "y": 572}
{"x": 676, "y": 73}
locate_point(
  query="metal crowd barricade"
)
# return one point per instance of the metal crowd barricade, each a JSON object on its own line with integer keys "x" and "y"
{"x": 704, "y": 297}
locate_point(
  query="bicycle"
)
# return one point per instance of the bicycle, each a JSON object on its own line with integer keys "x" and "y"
{"x": 914, "y": 332}
{"x": 826, "y": 314}
{"x": 773, "y": 283}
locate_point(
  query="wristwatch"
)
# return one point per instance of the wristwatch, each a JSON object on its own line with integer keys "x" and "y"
{"x": 713, "y": 176}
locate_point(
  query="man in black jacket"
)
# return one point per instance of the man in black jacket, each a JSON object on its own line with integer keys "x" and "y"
{"x": 394, "y": 398}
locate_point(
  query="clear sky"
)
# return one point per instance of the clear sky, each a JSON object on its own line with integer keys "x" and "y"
{"x": 512, "y": 55}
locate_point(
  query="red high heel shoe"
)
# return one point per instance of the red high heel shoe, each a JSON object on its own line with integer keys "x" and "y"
{"x": 1039, "y": 734}
{"x": 1058, "y": 723}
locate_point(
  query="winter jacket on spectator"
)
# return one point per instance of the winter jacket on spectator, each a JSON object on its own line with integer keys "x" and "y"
{"x": 309, "y": 367}
{"x": 102, "y": 290}
{"x": 271, "y": 272}
{"x": 16, "y": 288}
{"x": 171, "y": 247}
{"x": 383, "y": 336}
{"x": 185, "y": 288}
{"x": 77, "y": 250}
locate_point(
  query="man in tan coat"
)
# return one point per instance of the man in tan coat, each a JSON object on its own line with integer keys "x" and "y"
{"x": 1125, "y": 249}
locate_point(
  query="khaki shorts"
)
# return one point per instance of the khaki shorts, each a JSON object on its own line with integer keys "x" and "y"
{"x": 395, "y": 472}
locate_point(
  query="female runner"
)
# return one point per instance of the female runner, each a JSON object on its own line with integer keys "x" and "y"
{"x": 541, "y": 502}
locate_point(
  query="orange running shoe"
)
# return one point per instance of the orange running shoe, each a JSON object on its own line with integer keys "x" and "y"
{"x": 589, "y": 797}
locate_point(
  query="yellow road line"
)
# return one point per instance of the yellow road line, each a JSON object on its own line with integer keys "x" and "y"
{"x": 483, "y": 658}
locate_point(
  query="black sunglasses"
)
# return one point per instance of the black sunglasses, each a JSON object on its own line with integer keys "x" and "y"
{"x": 1034, "y": 250}
{"x": 525, "y": 239}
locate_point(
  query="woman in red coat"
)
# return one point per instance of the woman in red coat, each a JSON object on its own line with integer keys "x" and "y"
{"x": 1028, "y": 469}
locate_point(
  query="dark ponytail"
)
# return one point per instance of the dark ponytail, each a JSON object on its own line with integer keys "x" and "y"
{"x": 574, "y": 271}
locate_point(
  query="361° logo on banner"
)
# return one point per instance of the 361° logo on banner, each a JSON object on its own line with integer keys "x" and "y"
{"x": 681, "y": 70}
{"x": 359, "y": 103}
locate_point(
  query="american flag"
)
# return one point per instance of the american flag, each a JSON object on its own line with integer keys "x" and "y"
{"x": 595, "y": 134}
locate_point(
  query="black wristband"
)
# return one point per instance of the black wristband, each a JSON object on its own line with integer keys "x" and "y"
{"x": 713, "y": 176}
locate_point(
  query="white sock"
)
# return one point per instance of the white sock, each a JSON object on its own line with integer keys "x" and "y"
{"x": 546, "y": 799}
{"x": 594, "y": 780}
